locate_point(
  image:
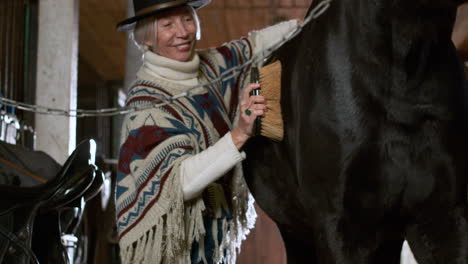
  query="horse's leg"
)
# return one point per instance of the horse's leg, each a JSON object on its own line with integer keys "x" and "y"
{"x": 388, "y": 252}
{"x": 298, "y": 252}
{"x": 343, "y": 240}
{"x": 440, "y": 237}
{"x": 367, "y": 226}
{"x": 361, "y": 242}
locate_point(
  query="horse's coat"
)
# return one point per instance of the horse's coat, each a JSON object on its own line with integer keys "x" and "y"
{"x": 374, "y": 101}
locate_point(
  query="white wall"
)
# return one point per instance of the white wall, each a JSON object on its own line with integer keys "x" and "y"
{"x": 56, "y": 83}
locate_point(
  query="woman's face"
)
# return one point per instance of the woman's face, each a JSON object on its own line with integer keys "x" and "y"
{"x": 176, "y": 34}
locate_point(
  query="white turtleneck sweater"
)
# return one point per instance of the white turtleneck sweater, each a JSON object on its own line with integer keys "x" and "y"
{"x": 181, "y": 72}
{"x": 199, "y": 170}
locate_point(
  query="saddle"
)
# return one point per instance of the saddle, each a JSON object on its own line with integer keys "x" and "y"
{"x": 64, "y": 196}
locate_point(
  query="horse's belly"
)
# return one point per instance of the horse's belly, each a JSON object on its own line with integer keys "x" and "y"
{"x": 402, "y": 170}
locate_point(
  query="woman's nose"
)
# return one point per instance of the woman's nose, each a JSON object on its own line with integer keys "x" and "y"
{"x": 181, "y": 30}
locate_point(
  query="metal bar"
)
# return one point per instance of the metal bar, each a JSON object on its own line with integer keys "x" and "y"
{"x": 2, "y": 45}
{"x": 32, "y": 51}
{"x": 7, "y": 47}
{"x": 13, "y": 44}
{"x": 27, "y": 35}
{"x": 30, "y": 66}
{"x": 19, "y": 88}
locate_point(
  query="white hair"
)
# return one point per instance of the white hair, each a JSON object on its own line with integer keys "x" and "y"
{"x": 197, "y": 21}
{"x": 147, "y": 29}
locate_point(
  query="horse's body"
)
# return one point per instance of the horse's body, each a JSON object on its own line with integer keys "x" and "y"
{"x": 375, "y": 149}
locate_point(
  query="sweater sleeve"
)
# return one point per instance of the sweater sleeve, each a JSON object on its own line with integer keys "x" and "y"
{"x": 215, "y": 62}
{"x": 200, "y": 170}
{"x": 269, "y": 36}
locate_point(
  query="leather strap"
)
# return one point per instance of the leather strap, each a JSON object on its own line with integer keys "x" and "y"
{"x": 18, "y": 243}
{"x": 25, "y": 172}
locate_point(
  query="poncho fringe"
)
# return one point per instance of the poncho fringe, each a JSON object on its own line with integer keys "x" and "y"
{"x": 161, "y": 242}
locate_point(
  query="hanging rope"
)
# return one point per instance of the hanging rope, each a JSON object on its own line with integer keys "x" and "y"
{"x": 231, "y": 73}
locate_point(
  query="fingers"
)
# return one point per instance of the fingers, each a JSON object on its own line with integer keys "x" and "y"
{"x": 255, "y": 104}
{"x": 251, "y": 107}
{"x": 255, "y": 110}
{"x": 253, "y": 100}
{"x": 259, "y": 109}
{"x": 246, "y": 93}
{"x": 257, "y": 113}
{"x": 257, "y": 99}
{"x": 249, "y": 88}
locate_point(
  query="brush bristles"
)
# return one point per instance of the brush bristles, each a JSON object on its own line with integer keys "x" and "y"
{"x": 272, "y": 122}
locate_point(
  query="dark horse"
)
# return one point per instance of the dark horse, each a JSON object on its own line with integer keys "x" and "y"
{"x": 374, "y": 100}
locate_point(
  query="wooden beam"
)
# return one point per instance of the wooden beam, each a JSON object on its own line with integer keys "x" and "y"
{"x": 101, "y": 45}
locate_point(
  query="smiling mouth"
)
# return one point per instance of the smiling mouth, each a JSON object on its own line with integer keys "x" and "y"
{"x": 184, "y": 46}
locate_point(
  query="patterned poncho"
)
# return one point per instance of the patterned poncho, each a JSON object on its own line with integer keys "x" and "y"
{"x": 154, "y": 223}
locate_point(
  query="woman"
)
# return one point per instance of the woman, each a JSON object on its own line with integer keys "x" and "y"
{"x": 180, "y": 193}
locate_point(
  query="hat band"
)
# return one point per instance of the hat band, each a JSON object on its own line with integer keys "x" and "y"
{"x": 160, "y": 6}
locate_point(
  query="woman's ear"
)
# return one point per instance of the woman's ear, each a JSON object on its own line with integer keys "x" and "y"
{"x": 148, "y": 43}
{"x": 148, "y": 33}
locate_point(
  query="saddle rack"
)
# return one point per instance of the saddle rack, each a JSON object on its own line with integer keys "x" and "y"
{"x": 64, "y": 197}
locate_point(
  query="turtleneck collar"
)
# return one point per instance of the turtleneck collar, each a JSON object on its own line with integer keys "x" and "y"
{"x": 185, "y": 72}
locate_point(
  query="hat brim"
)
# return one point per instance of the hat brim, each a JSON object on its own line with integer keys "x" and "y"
{"x": 129, "y": 23}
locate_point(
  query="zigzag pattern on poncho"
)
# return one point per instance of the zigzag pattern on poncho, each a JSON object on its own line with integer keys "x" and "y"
{"x": 154, "y": 223}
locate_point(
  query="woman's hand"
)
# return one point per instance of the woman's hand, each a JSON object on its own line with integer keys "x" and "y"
{"x": 250, "y": 107}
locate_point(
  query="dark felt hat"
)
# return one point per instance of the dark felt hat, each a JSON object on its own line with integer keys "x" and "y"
{"x": 146, "y": 8}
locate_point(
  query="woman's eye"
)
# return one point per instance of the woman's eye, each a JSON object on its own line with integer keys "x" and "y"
{"x": 188, "y": 19}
